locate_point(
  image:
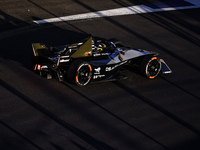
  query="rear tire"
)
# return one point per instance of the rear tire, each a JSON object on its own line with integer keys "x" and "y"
{"x": 150, "y": 66}
{"x": 80, "y": 73}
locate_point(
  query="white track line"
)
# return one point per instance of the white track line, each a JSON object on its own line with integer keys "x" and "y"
{"x": 139, "y": 9}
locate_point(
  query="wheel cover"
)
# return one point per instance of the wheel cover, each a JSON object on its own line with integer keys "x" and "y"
{"x": 153, "y": 68}
{"x": 83, "y": 75}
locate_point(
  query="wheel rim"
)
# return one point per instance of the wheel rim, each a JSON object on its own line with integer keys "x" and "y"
{"x": 83, "y": 75}
{"x": 153, "y": 68}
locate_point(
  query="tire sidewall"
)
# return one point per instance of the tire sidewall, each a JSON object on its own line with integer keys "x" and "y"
{"x": 73, "y": 72}
{"x": 145, "y": 64}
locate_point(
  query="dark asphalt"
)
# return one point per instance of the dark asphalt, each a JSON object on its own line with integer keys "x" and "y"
{"x": 136, "y": 113}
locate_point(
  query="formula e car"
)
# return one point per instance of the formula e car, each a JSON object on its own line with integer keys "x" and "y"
{"x": 94, "y": 59}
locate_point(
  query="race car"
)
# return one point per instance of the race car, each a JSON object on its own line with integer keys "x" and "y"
{"x": 94, "y": 59}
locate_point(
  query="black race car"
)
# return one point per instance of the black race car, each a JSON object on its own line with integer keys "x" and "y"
{"x": 94, "y": 59}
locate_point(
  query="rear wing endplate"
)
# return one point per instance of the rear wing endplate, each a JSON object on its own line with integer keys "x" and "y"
{"x": 39, "y": 49}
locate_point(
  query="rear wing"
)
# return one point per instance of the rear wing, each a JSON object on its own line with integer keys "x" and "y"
{"x": 39, "y": 49}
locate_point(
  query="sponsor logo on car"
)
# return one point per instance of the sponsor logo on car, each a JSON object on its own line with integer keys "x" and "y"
{"x": 97, "y": 70}
{"x": 98, "y": 76}
{"x": 112, "y": 68}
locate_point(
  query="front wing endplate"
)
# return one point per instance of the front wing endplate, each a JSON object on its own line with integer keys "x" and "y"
{"x": 164, "y": 67}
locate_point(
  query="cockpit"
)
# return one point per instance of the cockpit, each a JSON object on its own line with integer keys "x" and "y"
{"x": 103, "y": 46}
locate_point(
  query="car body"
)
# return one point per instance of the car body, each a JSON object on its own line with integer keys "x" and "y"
{"x": 94, "y": 59}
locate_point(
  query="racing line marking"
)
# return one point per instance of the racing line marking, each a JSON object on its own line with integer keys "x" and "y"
{"x": 138, "y": 9}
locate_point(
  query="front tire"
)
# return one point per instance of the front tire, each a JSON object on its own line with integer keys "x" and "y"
{"x": 80, "y": 73}
{"x": 150, "y": 66}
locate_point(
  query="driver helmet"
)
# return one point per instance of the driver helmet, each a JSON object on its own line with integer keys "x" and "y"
{"x": 100, "y": 47}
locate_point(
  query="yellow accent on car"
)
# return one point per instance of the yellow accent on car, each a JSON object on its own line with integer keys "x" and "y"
{"x": 40, "y": 49}
{"x": 84, "y": 50}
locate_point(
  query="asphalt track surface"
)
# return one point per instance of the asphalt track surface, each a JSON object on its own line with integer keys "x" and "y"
{"x": 135, "y": 114}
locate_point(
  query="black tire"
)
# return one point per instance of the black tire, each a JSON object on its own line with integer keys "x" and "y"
{"x": 150, "y": 66}
{"x": 80, "y": 73}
